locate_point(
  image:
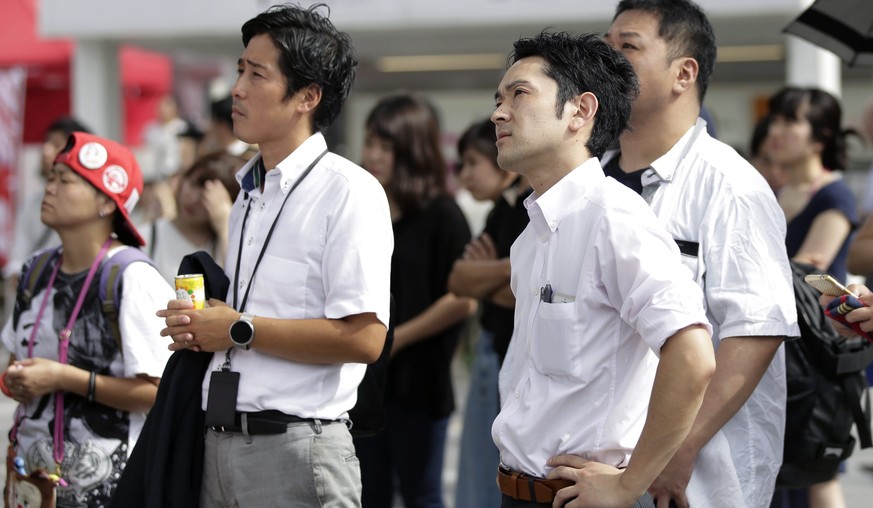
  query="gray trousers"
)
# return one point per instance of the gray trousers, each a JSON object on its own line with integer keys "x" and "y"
{"x": 310, "y": 465}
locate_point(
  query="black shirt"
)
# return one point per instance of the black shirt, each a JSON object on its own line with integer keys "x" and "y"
{"x": 632, "y": 180}
{"x": 426, "y": 245}
{"x": 505, "y": 222}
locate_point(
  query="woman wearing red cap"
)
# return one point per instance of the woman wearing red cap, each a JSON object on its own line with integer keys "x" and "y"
{"x": 73, "y": 375}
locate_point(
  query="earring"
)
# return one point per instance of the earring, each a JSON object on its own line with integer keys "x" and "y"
{"x": 101, "y": 213}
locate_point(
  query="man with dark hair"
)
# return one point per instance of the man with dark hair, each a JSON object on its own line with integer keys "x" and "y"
{"x": 731, "y": 233}
{"x": 309, "y": 267}
{"x": 600, "y": 290}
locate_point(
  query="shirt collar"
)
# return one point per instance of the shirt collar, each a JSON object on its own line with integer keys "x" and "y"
{"x": 289, "y": 169}
{"x": 547, "y": 210}
{"x": 665, "y": 165}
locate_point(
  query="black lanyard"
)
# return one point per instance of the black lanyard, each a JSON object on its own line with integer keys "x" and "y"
{"x": 242, "y": 306}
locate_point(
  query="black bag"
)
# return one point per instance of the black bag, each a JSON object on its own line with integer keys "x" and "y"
{"x": 826, "y": 385}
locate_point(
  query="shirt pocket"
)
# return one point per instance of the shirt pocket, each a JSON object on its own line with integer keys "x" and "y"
{"x": 280, "y": 287}
{"x": 556, "y": 345}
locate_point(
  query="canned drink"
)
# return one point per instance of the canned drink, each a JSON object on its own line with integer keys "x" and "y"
{"x": 190, "y": 287}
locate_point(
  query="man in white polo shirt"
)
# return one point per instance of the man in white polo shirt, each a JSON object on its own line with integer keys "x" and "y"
{"x": 309, "y": 261}
{"x": 588, "y": 410}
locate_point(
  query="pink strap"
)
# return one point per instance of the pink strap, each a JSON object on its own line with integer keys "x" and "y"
{"x": 63, "y": 347}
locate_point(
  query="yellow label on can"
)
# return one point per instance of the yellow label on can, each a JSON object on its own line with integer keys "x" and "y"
{"x": 190, "y": 287}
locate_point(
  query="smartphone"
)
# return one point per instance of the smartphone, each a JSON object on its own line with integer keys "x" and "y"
{"x": 827, "y": 285}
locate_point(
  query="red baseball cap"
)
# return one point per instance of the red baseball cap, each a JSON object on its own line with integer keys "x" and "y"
{"x": 112, "y": 168}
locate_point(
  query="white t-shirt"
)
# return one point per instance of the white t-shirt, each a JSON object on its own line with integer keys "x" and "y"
{"x": 99, "y": 438}
{"x": 711, "y": 196}
{"x": 579, "y": 371}
{"x": 329, "y": 257}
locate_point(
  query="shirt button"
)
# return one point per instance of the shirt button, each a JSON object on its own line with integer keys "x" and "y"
{"x": 517, "y": 395}
{"x": 242, "y": 283}
{"x": 251, "y": 239}
{"x": 262, "y": 206}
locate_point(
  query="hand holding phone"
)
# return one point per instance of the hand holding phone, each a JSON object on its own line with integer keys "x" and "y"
{"x": 827, "y": 285}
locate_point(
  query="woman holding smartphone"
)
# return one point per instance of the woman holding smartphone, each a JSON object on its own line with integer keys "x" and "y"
{"x": 805, "y": 139}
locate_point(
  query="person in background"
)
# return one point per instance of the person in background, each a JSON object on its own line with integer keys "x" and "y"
{"x": 104, "y": 388}
{"x": 807, "y": 141}
{"x": 308, "y": 263}
{"x": 590, "y": 414}
{"x": 760, "y": 158}
{"x": 30, "y": 233}
{"x": 162, "y": 138}
{"x": 731, "y": 231}
{"x": 220, "y": 136}
{"x": 190, "y": 146}
{"x": 402, "y": 150}
{"x": 204, "y": 197}
{"x": 483, "y": 273}
{"x": 865, "y": 207}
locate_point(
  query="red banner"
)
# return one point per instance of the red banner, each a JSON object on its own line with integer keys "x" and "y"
{"x": 11, "y": 118}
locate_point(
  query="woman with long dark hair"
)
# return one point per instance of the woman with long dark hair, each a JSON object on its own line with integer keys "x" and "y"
{"x": 807, "y": 141}
{"x": 402, "y": 150}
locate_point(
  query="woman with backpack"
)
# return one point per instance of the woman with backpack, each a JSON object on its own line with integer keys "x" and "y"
{"x": 806, "y": 140}
{"x": 84, "y": 380}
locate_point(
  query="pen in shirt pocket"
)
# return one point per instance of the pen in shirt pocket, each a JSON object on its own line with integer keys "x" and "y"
{"x": 548, "y": 295}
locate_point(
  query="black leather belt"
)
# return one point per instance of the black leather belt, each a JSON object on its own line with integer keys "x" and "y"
{"x": 265, "y": 422}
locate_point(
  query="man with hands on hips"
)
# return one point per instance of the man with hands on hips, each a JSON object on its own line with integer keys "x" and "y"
{"x": 309, "y": 266}
{"x": 590, "y": 414}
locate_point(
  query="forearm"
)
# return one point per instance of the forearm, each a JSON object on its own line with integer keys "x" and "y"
{"x": 135, "y": 395}
{"x": 503, "y": 297}
{"x": 740, "y": 364}
{"x": 686, "y": 366}
{"x": 448, "y": 311}
{"x": 355, "y": 339}
{"x": 478, "y": 279}
{"x": 860, "y": 258}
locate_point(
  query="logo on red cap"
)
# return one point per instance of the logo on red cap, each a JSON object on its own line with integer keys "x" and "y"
{"x": 115, "y": 179}
{"x": 93, "y": 155}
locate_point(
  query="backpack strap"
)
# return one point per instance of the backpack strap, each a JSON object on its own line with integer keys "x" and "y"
{"x": 30, "y": 279}
{"x": 855, "y": 390}
{"x": 110, "y": 285}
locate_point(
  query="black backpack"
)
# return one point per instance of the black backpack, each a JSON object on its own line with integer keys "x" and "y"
{"x": 826, "y": 386}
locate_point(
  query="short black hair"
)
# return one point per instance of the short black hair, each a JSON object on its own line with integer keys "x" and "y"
{"x": 825, "y": 118}
{"x": 584, "y": 63}
{"x": 684, "y": 26}
{"x": 66, "y": 125}
{"x": 311, "y": 52}
{"x": 221, "y": 111}
{"x": 482, "y": 137}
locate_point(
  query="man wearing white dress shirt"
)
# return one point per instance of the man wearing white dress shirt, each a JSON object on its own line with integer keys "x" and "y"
{"x": 731, "y": 232}
{"x": 589, "y": 414}
{"x": 309, "y": 266}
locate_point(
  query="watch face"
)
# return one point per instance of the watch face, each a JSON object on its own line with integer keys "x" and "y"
{"x": 241, "y": 332}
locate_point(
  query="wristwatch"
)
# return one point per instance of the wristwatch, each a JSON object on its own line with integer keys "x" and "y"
{"x": 242, "y": 331}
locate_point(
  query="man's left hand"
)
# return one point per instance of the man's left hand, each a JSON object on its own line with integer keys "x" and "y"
{"x": 199, "y": 330}
{"x": 596, "y": 485}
